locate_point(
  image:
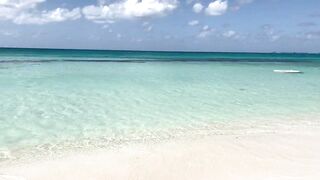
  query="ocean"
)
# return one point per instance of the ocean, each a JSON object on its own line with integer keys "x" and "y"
{"x": 73, "y": 99}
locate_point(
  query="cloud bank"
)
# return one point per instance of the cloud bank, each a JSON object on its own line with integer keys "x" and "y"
{"x": 26, "y": 12}
{"x": 128, "y": 9}
{"x": 193, "y": 23}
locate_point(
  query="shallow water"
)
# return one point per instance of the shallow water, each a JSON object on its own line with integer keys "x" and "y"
{"x": 88, "y": 98}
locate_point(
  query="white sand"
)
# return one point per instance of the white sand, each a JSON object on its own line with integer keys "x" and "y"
{"x": 280, "y": 156}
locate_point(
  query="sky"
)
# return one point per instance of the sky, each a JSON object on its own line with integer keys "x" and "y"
{"x": 174, "y": 25}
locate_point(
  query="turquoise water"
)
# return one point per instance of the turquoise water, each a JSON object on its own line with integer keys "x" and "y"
{"x": 50, "y": 96}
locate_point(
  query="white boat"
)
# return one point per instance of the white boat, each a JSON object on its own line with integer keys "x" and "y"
{"x": 287, "y": 71}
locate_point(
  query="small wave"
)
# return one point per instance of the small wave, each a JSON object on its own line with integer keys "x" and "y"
{"x": 5, "y": 154}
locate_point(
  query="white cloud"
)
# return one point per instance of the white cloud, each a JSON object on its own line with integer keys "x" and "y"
{"x": 9, "y": 9}
{"x": 274, "y": 38}
{"x": 128, "y": 9}
{"x": 217, "y": 8}
{"x": 270, "y": 33}
{"x": 25, "y": 12}
{"x": 144, "y": 24}
{"x": 193, "y": 23}
{"x": 206, "y": 27}
{"x": 148, "y": 29}
{"x": 136, "y": 40}
{"x": 234, "y": 35}
{"x": 197, "y": 7}
{"x": 206, "y": 31}
{"x": 229, "y": 34}
{"x": 57, "y": 15}
{"x": 106, "y": 26}
{"x": 312, "y": 35}
{"x": 147, "y": 26}
{"x": 203, "y": 34}
{"x": 9, "y": 33}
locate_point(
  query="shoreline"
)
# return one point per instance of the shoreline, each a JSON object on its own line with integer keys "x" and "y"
{"x": 67, "y": 147}
{"x": 282, "y": 155}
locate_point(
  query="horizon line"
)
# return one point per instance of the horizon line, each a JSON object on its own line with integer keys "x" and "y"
{"x": 161, "y": 51}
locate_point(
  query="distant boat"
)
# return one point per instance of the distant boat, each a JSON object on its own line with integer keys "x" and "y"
{"x": 287, "y": 71}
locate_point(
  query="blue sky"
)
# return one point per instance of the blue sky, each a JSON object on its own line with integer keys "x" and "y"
{"x": 188, "y": 25}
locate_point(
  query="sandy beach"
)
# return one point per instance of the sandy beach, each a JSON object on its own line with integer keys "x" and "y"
{"x": 289, "y": 155}
{"x": 159, "y": 90}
